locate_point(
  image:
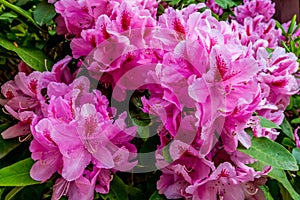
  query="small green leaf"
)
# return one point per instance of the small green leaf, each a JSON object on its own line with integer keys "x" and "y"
{"x": 270, "y": 51}
{"x": 13, "y": 193}
{"x": 1, "y": 191}
{"x": 285, "y": 46}
{"x": 44, "y": 13}
{"x": 117, "y": 190}
{"x": 288, "y": 142}
{"x": 166, "y": 154}
{"x": 284, "y": 193}
{"x": 271, "y": 153}
{"x": 174, "y": 2}
{"x": 298, "y": 38}
{"x": 9, "y": 16}
{"x": 267, "y": 193}
{"x": 292, "y": 24}
{"x": 225, "y": 3}
{"x": 287, "y": 129}
{"x": 265, "y": 123}
{"x": 296, "y": 121}
{"x": 143, "y": 132}
{"x": 19, "y": 10}
{"x": 296, "y": 154}
{"x": 296, "y": 29}
{"x": 156, "y": 196}
{"x": 281, "y": 28}
{"x": 35, "y": 58}
{"x": 292, "y": 45}
{"x": 17, "y": 174}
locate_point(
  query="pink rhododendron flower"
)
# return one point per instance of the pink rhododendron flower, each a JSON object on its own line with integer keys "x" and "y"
{"x": 255, "y": 30}
{"x": 206, "y": 82}
{"x": 253, "y": 8}
{"x": 76, "y": 17}
{"x": 182, "y": 173}
{"x": 81, "y": 188}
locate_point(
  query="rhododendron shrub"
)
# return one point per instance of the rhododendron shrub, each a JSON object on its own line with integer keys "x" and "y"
{"x": 147, "y": 104}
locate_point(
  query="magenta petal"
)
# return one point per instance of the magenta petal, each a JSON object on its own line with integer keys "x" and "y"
{"x": 75, "y": 164}
{"x": 104, "y": 157}
{"x": 174, "y": 191}
{"x": 42, "y": 170}
{"x": 60, "y": 188}
{"x": 103, "y": 179}
{"x": 244, "y": 138}
{"x": 177, "y": 149}
{"x": 120, "y": 158}
{"x": 81, "y": 189}
{"x": 198, "y": 90}
{"x": 16, "y": 130}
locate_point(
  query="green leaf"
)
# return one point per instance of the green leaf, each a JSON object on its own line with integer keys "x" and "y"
{"x": 287, "y": 129}
{"x": 284, "y": 193}
{"x": 271, "y": 153}
{"x": 7, "y": 146}
{"x": 265, "y": 123}
{"x": 166, "y": 154}
{"x": 19, "y": 10}
{"x": 285, "y": 46}
{"x": 174, "y": 2}
{"x": 280, "y": 176}
{"x": 140, "y": 118}
{"x": 35, "y": 58}
{"x": 296, "y": 29}
{"x": 288, "y": 142}
{"x": 9, "y": 16}
{"x": 296, "y": 121}
{"x": 225, "y": 3}
{"x": 13, "y": 192}
{"x": 267, "y": 193}
{"x": 143, "y": 132}
{"x": 117, "y": 190}
{"x": 296, "y": 154}
{"x": 280, "y": 27}
{"x": 156, "y": 196}
{"x": 1, "y": 191}
{"x": 292, "y": 45}
{"x": 270, "y": 51}
{"x": 44, "y": 13}
{"x": 292, "y": 24}
{"x": 17, "y": 174}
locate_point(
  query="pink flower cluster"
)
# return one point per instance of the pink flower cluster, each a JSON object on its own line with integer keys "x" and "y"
{"x": 256, "y": 29}
{"x": 75, "y": 133}
{"x": 206, "y": 80}
{"x": 254, "y": 24}
{"x": 255, "y": 8}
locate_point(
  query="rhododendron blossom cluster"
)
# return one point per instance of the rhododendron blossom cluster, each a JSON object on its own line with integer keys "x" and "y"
{"x": 208, "y": 82}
